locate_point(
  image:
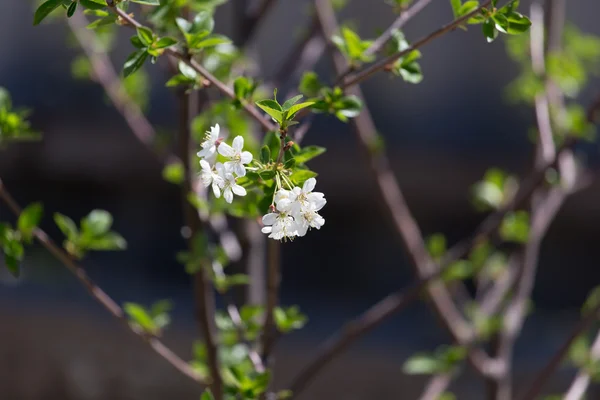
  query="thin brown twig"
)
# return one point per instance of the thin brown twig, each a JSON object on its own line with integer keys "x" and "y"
{"x": 539, "y": 381}
{"x": 381, "y": 41}
{"x": 383, "y": 63}
{"x": 222, "y": 87}
{"x": 436, "y": 387}
{"x": 583, "y": 379}
{"x": 203, "y": 292}
{"x": 273, "y": 278}
{"x": 102, "y": 297}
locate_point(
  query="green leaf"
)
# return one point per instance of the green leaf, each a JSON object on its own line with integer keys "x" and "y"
{"x": 436, "y": 245}
{"x": 97, "y": 223}
{"x": 93, "y": 4}
{"x": 140, "y": 316}
{"x": 147, "y": 2}
{"x": 310, "y": 84}
{"x": 71, "y": 10}
{"x": 146, "y": 36}
{"x": 467, "y": 7}
{"x": 515, "y": 227}
{"x": 422, "y": 365}
{"x": 286, "y": 106}
{"x": 203, "y": 22}
{"x": 265, "y": 155}
{"x": 273, "y": 142}
{"x": 107, "y": 242}
{"x": 107, "y": 20}
{"x": 66, "y": 226}
{"x": 29, "y": 219}
{"x": 272, "y": 108}
{"x": 349, "y": 106}
{"x": 489, "y": 30}
{"x": 44, "y": 10}
{"x": 455, "y": 7}
{"x": 207, "y": 395}
{"x": 297, "y": 107}
{"x": 174, "y": 173}
{"x": 517, "y": 23}
{"x": 299, "y": 176}
{"x": 213, "y": 40}
{"x": 165, "y": 42}
{"x": 308, "y": 153}
{"x": 134, "y": 62}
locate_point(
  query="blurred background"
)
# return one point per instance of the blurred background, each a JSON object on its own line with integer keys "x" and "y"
{"x": 442, "y": 134}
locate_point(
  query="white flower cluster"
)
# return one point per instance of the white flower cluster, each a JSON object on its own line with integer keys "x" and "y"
{"x": 295, "y": 212}
{"x": 222, "y": 175}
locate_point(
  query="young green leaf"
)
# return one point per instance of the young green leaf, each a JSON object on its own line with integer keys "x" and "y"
{"x": 174, "y": 173}
{"x": 147, "y": 2}
{"x": 286, "y": 106}
{"x": 134, "y": 62}
{"x": 71, "y": 10}
{"x": 29, "y": 219}
{"x": 93, "y": 4}
{"x": 297, "y": 107}
{"x": 265, "y": 154}
{"x": 66, "y": 226}
{"x": 165, "y": 42}
{"x": 107, "y": 242}
{"x": 308, "y": 153}
{"x": 310, "y": 84}
{"x": 97, "y": 223}
{"x": 422, "y": 364}
{"x": 207, "y": 395}
{"x": 272, "y": 108}
{"x": 140, "y": 316}
{"x": 146, "y": 36}
{"x": 44, "y": 10}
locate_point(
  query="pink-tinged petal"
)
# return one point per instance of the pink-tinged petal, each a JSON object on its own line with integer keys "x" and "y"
{"x": 226, "y": 150}
{"x": 237, "y": 189}
{"x": 270, "y": 218}
{"x": 238, "y": 144}
{"x": 239, "y": 169}
{"x": 246, "y": 157}
{"x": 228, "y": 195}
{"x": 309, "y": 185}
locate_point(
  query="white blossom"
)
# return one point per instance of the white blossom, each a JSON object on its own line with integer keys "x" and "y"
{"x": 210, "y": 143}
{"x": 210, "y": 176}
{"x": 279, "y": 225}
{"x": 229, "y": 185}
{"x": 236, "y": 156}
{"x": 296, "y": 211}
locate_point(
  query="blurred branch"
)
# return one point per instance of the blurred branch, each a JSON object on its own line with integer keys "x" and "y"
{"x": 105, "y": 74}
{"x": 538, "y": 382}
{"x": 203, "y": 291}
{"x": 383, "y": 63}
{"x": 437, "y": 385}
{"x": 273, "y": 278}
{"x": 582, "y": 380}
{"x": 100, "y": 296}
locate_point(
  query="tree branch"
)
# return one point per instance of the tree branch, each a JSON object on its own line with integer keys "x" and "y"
{"x": 582, "y": 380}
{"x": 223, "y": 88}
{"x": 538, "y": 382}
{"x": 203, "y": 291}
{"x": 273, "y": 278}
{"x": 100, "y": 296}
{"x": 383, "y": 63}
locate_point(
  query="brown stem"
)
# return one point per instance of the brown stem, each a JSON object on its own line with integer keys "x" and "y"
{"x": 203, "y": 292}
{"x": 583, "y": 379}
{"x": 436, "y": 386}
{"x": 383, "y": 63}
{"x": 539, "y": 381}
{"x": 273, "y": 278}
{"x": 100, "y": 296}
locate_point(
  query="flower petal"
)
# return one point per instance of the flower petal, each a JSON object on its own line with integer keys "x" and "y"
{"x": 246, "y": 157}
{"x": 237, "y": 189}
{"x": 205, "y": 165}
{"x": 228, "y": 195}
{"x": 226, "y": 150}
{"x": 238, "y": 144}
{"x": 270, "y": 218}
{"x": 216, "y": 189}
{"x": 309, "y": 185}
{"x": 214, "y": 132}
{"x": 266, "y": 229}
{"x": 239, "y": 169}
